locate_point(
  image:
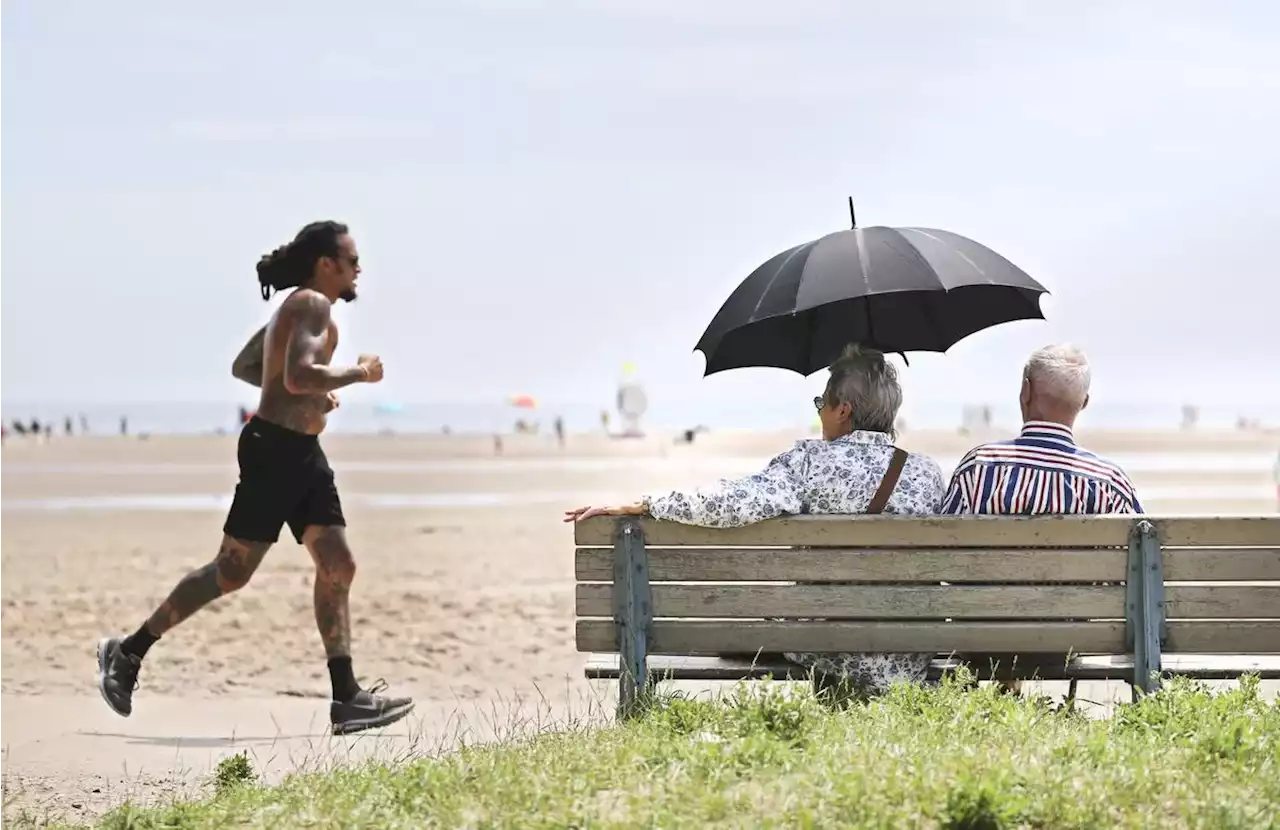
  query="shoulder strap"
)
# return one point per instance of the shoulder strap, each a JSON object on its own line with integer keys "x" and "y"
{"x": 890, "y": 480}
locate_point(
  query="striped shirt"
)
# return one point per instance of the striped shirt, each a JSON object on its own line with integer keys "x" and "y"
{"x": 1040, "y": 471}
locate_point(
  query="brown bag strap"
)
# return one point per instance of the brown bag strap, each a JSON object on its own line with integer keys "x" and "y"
{"x": 890, "y": 480}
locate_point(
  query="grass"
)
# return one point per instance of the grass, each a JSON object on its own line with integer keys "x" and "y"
{"x": 770, "y": 755}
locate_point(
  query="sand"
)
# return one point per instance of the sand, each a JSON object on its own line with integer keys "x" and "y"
{"x": 458, "y": 606}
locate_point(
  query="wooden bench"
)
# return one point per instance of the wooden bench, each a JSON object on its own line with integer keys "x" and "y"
{"x": 1049, "y": 597}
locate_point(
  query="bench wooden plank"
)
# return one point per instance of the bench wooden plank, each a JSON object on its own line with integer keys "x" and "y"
{"x": 1221, "y": 564}
{"x": 886, "y": 602}
{"x": 950, "y": 531}
{"x": 1222, "y": 601}
{"x": 1082, "y": 667}
{"x": 703, "y": 637}
{"x": 1219, "y": 637}
{"x": 882, "y": 531}
{"x": 885, "y": 565}
{"x": 1218, "y": 531}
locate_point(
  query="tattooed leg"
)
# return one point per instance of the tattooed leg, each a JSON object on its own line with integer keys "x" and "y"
{"x": 229, "y": 571}
{"x": 335, "y": 569}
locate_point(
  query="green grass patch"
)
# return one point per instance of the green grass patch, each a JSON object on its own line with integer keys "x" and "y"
{"x": 770, "y": 755}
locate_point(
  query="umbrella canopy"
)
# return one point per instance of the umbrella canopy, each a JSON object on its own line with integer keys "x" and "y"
{"x": 893, "y": 289}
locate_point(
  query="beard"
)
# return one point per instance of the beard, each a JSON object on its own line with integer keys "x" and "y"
{"x": 348, "y": 296}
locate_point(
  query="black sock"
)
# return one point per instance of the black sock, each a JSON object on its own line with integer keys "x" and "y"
{"x": 343, "y": 679}
{"x": 138, "y": 642}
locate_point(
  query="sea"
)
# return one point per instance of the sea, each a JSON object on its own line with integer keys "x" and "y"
{"x": 206, "y": 417}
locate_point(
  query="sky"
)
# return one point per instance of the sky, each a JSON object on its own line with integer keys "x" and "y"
{"x": 541, "y": 192}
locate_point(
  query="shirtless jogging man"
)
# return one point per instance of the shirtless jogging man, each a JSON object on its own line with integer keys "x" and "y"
{"x": 284, "y": 476}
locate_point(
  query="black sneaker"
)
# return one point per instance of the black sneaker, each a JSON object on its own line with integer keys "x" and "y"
{"x": 117, "y": 675}
{"x": 367, "y": 710}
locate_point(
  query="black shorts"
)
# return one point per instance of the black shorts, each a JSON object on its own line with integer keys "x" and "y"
{"x": 284, "y": 478}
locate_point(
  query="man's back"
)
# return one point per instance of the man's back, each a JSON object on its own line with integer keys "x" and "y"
{"x": 1042, "y": 471}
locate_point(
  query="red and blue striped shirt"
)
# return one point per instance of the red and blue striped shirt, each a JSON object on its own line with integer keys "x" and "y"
{"x": 1041, "y": 471}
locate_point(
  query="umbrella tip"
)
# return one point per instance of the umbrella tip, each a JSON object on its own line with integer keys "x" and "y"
{"x": 853, "y": 220}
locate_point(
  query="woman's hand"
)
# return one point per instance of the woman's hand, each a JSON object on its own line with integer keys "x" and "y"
{"x": 581, "y": 513}
{"x": 330, "y": 402}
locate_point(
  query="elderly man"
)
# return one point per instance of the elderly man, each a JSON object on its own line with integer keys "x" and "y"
{"x": 1043, "y": 470}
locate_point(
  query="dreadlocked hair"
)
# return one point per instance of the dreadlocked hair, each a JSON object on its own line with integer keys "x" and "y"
{"x": 291, "y": 265}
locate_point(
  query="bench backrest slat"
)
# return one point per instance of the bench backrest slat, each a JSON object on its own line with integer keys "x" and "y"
{"x": 1221, "y": 564}
{"x": 948, "y": 531}
{"x": 1219, "y": 531}
{"x": 710, "y": 637}
{"x": 882, "y": 565}
{"x": 1222, "y": 602}
{"x": 1225, "y": 637}
{"x": 880, "y": 531}
{"x": 893, "y": 602}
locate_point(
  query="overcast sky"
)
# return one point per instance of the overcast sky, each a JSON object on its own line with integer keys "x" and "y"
{"x": 542, "y": 191}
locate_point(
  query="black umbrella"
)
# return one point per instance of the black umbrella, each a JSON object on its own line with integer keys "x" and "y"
{"x": 893, "y": 289}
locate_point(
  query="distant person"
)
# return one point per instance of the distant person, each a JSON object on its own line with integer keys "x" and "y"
{"x": 1043, "y": 470}
{"x": 124, "y": 425}
{"x": 853, "y": 468}
{"x": 284, "y": 476}
{"x": 84, "y": 424}
{"x": 560, "y": 431}
{"x": 66, "y": 426}
{"x": 1275, "y": 475}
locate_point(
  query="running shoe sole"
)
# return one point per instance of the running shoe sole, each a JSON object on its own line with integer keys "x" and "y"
{"x": 385, "y": 718}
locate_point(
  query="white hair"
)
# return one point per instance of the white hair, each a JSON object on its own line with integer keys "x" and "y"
{"x": 862, "y": 378}
{"x": 1062, "y": 371}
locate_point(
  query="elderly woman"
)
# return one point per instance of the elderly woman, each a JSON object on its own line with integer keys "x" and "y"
{"x": 842, "y": 473}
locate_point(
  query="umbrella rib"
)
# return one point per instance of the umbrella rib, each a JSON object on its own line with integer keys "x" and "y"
{"x": 778, "y": 273}
{"x": 957, "y": 252}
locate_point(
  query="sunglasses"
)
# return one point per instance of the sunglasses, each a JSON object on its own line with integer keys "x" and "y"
{"x": 819, "y": 402}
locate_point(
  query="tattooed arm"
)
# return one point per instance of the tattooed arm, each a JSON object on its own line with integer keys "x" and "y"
{"x": 305, "y": 371}
{"x": 248, "y": 364}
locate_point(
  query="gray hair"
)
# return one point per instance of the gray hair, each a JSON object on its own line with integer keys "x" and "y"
{"x": 863, "y": 379}
{"x": 1062, "y": 371}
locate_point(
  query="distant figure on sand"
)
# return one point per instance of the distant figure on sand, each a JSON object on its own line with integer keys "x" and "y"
{"x": 1043, "y": 470}
{"x": 1275, "y": 474}
{"x": 854, "y": 468}
{"x": 560, "y": 431}
{"x": 284, "y": 477}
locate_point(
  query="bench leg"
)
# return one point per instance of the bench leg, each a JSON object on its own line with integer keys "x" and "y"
{"x": 1146, "y": 605}
{"x": 633, "y": 615}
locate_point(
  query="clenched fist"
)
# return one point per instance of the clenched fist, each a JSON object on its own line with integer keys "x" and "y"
{"x": 372, "y": 365}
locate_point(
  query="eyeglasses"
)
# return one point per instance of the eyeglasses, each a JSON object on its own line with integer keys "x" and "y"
{"x": 819, "y": 402}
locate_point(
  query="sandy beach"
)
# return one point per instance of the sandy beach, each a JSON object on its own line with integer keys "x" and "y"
{"x": 464, "y": 593}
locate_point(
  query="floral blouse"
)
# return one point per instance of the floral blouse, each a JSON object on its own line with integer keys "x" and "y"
{"x": 818, "y": 476}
